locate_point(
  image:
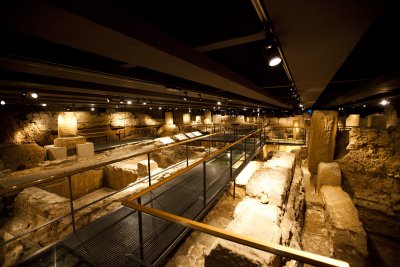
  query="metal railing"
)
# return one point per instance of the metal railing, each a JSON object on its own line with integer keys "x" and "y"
{"x": 286, "y": 135}
{"x": 56, "y": 176}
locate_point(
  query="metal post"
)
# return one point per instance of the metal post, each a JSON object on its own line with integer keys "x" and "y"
{"x": 209, "y": 144}
{"x": 245, "y": 145}
{"x": 140, "y": 224}
{"x": 71, "y": 203}
{"x": 148, "y": 167}
{"x": 187, "y": 154}
{"x": 204, "y": 184}
{"x": 254, "y": 143}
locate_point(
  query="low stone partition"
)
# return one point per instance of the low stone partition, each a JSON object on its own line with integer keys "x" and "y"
{"x": 348, "y": 235}
{"x": 328, "y": 174}
{"x": 272, "y": 211}
{"x": 119, "y": 175}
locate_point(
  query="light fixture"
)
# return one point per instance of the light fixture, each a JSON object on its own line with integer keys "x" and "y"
{"x": 364, "y": 106}
{"x": 92, "y": 109}
{"x": 108, "y": 99}
{"x": 44, "y": 104}
{"x": 144, "y": 102}
{"x": 219, "y": 102}
{"x": 151, "y": 108}
{"x": 159, "y": 108}
{"x": 190, "y": 110}
{"x": 185, "y": 96}
{"x": 34, "y": 95}
{"x": 129, "y": 102}
{"x": 116, "y": 106}
{"x": 2, "y": 102}
{"x": 92, "y": 104}
{"x": 200, "y": 97}
{"x": 300, "y": 105}
{"x": 274, "y": 60}
{"x": 121, "y": 101}
{"x": 384, "y": 102}
{"x": 244, "y": 109}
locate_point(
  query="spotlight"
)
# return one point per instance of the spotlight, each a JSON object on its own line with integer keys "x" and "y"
{"x": 34, "y": 95}
{"x": 219, "y": 102}
{"x": 151, "y": 108}
{"x": 144, "y": 102}
{"x": 200, "y": 97}
{"x": 44, "y": 104}
{"x": 2, "y": 102}
{"x": 364, "y": 106}
{"x": 274, "y": 60}
{"x": 244, "y": 109}
{"x": 185, "y": 96}
{"x": 384, "y": 102}
{"x": 92, "y": 109}
{"x": 159, "y": 108}
{"x": 190, "y": 110}
{"x": 300, "y": 105}
{"x": 121, "y": 101}
{"x": 129, "y": 102}
{"x": 108, "y": 99}
{"x": 116, "y": 106}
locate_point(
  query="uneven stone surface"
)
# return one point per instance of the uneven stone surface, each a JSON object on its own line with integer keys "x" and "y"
{"x": 67, "y": 124}
{"x": 142, "y": 167}
{"x": 20, "y": 157}
{"x": 322, "y": 138}
{"x": 82, "y": 184}
{"x": 69, "y": 142}
{"x": 353, "y": 120}
{"x": 54, "y": 153}
{"x": 85, "y": 150}
{"x": 328, "y": 174}
{"x": 348, "y": 235}
{"x": 168, "y": 157}
{"x": 371, "y": 175}
{"x": 253, "y": 219}
{"x": 119, "y": 175}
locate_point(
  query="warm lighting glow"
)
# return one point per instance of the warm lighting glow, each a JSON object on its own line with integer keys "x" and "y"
{"x": 34, "y": 95}
{"x": 144, "y": 103}
{"x": 129, "y": 102}
{"x": 159, "y": 108}
{"x": 92, "y": 109}
{"x": 44, "y": 104}
{"x": 384, "y": 102}
{"x": 67, "y": 124}
{"x": 300, "y": 105}
{"x": 2, "y": 102}
{"x": 274, "y": 61}
{"x": 219, "y": 103}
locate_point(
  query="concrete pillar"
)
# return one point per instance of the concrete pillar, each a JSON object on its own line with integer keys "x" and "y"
{"x": 207, "y": 117}
{"x": 353, "y": 120}
{"x": 67, "y": 124}
{"x": 169, "y": 118}
{"x": 321, "y": 145}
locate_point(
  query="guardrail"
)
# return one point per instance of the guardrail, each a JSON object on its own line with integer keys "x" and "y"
{"x": 69, "y": 172}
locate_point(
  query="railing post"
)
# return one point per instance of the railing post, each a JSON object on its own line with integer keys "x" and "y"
{"x": 231, "y": 172}
{"x": 148, "y": 167}
{"x": 209, "y": 144}
{"x": 187, "y": 154}
{"x": 245, "y": 148}
{"x": 254, "y": 143}
{"x": 71, "y": 203}
{"x": 204, "y": 184}
{"x": 140, "y": 224}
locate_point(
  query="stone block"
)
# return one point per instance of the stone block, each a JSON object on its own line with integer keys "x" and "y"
{"x": 20, "y": 157}
{"x": 253, "y": 219}
{"x": 216, "y": 118}
{"x": 119, "y": 175}
{"x": 54, "y": 152}
{"x": 363, "y": 122}
{"x": 207, "y": 117}
{"x": 69, "y": 142}
{"x": 328, "y": 174}
{"x": 82, "y": 184}
{"x": 353, "y": 120}
{"x": 186, "y": 118}
{"x": 348, "y": 235}
{"x": 169, "y": 118}
{"x": 376, "y": 121}
{"x": 142, "y": 167}
{"x": 321, "y": 146}
{"x": 67, "y": 124}
{"x": 85, "y": 150}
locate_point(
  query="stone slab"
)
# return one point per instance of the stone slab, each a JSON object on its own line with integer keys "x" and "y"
{"x": 253, "y": 219}
{"x": 69, "y": 142}
{"x": 142, "y": 167}
{"x": 54, "y": 153}
{"x": 348, "y": 235}
{"x": 376, "y": 121}
{"x": 322, "y": 138}
{"x": 67, "y": 124}
{"x": 85, "y": 150}
{"x": 328, "y": 174}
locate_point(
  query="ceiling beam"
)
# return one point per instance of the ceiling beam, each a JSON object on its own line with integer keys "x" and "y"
{"x": 125, "y": 38}
{"x": 232, "y": 42}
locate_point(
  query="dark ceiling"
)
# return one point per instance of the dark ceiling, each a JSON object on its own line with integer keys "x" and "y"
{"x": 335, "y": 54}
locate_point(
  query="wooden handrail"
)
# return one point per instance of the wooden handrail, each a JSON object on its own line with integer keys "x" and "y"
{"x": 299, "y": 255}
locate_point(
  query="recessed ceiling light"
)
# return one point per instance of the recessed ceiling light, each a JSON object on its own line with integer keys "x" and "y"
{"x": 275, "y": 60}
{"x": 384, "y": 102}
{"x": 364, "y": 106}
{"x": 92, "y": 109}
{"x": 144, "y": 103}
{"x": 121, "y": 101}
{"x": 34, "y": 95}
{"x": 108, "y": 99}
{"x": 129, "y": 102}
{"x": 44, "y": 104}
{"x": 2, "y": 102}
{"x": 159, "y": 108}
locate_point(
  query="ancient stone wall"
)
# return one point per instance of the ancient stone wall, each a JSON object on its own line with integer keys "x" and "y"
{"x": 371, "y": 175}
